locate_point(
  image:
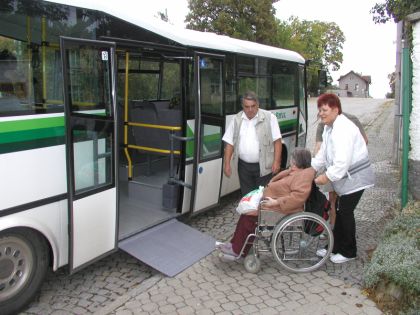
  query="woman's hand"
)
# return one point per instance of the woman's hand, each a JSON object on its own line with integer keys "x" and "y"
{"x": 253, "y": 213}
{"x": 269, "y": 203}
{"x": 321, "y": 179}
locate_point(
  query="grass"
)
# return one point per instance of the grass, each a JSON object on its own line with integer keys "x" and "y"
{"x": 392, "y": 277}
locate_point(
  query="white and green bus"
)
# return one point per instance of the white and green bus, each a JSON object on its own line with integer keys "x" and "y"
{"x": 111, "y": 124}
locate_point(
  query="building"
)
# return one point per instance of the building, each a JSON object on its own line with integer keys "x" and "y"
{"x": 353, "y": 84}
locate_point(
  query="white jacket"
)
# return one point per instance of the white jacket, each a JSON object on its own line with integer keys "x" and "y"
{"x": 342, "y": 146}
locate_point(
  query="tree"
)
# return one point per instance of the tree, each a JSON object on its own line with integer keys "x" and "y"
{"x": 244, "y": 19}
{"x": 391, "y": 77}
{"x": 320, "y": 42}
{"x": 395, "y": 9}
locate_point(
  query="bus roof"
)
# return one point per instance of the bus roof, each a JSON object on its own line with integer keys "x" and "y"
{"x": 185, "y": 37}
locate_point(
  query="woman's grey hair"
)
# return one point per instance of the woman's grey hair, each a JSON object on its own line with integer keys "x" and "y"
{"x": 301, "y": 157}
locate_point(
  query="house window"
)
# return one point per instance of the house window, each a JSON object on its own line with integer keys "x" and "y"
{"x": 356, "y": 87}
{"x": 347, "y": 87}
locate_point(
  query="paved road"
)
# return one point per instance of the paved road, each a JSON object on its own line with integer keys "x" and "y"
{"x": 121, "y": 285}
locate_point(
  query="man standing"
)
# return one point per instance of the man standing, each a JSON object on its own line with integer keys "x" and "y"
{"x": 254, "y": 137}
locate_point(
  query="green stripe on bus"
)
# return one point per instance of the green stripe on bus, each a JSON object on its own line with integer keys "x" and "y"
{"x": 190, "y": 144}
{"x": 28, "y": 135}
{"x": 287, "y": 123}
{"x": 31, "y": 124}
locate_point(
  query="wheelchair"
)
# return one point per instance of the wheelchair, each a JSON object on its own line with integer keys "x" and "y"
{"x": 292, "y": 239}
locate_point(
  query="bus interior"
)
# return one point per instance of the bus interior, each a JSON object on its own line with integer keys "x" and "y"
{"x": 150, "y": 122}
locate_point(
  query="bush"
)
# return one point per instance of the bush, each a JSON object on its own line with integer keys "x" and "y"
{"x": 395, "y": 264}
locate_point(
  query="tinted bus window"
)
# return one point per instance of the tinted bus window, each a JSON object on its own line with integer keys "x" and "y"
{"x": 284, "y": 83}
{"x": 171, "y": 82}
{"x": 230, "y": 86}
{"x": 260, "y": 85}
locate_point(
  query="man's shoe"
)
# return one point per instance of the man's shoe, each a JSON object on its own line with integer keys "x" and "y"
{"x": 321, "y": 252}
{"x": 339, "y": 259}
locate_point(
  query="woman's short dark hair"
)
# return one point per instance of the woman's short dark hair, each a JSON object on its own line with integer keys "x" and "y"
{"x": 301, "y": 157}
{"x": 331, "y": 100}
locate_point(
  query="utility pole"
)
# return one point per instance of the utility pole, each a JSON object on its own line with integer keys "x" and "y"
{"x": 396, "y": 147}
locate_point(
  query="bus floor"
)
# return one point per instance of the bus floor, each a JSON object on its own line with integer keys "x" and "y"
{"x": 140, "y": 207}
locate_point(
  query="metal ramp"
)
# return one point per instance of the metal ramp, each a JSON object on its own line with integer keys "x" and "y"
{"x": 169, "y": 247}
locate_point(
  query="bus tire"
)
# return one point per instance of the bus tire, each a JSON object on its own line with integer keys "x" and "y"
{"x": 24, "y": 260}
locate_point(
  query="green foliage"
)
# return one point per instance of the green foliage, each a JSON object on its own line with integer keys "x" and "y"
{"x": 322, "y": 42}
{"x": 395, "y": 9}
{"x": 396, "y": 260}
{"x": 244, "y": 19}
{"x": 391, "y": 78}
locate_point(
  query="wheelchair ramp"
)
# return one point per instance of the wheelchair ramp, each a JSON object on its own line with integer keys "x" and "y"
{"x": 169, "y": 247}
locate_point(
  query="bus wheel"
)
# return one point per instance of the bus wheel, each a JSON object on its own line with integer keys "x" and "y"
{"x": 24, "y": 259}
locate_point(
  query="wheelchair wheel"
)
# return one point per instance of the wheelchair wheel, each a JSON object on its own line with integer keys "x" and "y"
{"x": 296, "y": 240}
{"x": 252, "y": 263}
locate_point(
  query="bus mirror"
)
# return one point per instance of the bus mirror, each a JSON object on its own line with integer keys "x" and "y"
{"x": 322, "y": 79}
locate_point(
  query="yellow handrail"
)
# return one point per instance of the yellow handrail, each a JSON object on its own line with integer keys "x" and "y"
{"x": 173, "y": 128}
{"x": 127, "y": 154}
{"x": 138, "y": 147}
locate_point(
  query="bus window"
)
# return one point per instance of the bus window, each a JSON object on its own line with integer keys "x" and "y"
{"x": 211, "y": 86}
{"x": 302, "y": 90}
{"x": 171, "y": 82}
{"x": 230, "y": 86}
{"x": 143, "y": 83}
{"x": 211, "y": 142}
{"x": 143, "y": 78}
{"x": 246, "y": 65}
{"x": 16, "y": 92}
{"x": 260, "y": 85}
{"x": 284, "y": 83}
{"x": 89, "y": 89}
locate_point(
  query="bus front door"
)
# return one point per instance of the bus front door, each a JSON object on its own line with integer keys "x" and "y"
{"x": 89, "y": 100}
{"x": 208, "y": 128}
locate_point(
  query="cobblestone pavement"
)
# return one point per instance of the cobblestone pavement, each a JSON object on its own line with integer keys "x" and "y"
{"x": 121, "y": 285}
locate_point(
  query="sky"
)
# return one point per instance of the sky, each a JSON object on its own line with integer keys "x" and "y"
{"x": 369, "y": 48}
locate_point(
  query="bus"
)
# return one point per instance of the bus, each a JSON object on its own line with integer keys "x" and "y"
{"x": 111, "y": 125}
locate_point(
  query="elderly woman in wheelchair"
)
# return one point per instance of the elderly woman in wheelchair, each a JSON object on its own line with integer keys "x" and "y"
{"x": 280, "y": 226}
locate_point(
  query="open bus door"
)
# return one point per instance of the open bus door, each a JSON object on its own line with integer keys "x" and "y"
{"x": 208, "y": 126}
{"x": 89, "y": 98}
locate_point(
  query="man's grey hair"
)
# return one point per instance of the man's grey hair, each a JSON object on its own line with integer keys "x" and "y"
{"x": 251, "y": 96}
{"x": 301, "y": 157}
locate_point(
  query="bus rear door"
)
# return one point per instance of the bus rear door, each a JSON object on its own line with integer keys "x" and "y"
{"x": 89, "y": 86}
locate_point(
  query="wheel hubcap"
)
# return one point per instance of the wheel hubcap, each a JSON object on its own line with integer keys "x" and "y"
{"x": 6, "y": 268}
{"x": 16, "y": 263}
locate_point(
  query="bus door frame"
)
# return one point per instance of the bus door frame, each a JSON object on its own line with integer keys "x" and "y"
{"x": 92, "y": 209}
{"x": 199, "y": 165}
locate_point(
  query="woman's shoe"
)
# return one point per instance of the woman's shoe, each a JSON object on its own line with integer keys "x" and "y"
{"x": 218, "y": 244}
{"x": 227, "y": 249}
{"x": 339, "y": 259}
{"x": 321, "y": 252}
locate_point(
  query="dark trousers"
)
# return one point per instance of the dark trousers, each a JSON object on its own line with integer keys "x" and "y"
{"x": 249, "y": 176}
{"x": 345, "y": 225}
{"x": 245, "y": 226}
